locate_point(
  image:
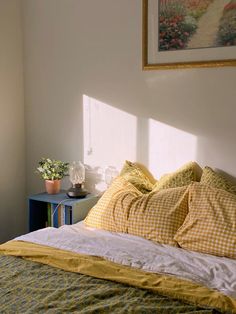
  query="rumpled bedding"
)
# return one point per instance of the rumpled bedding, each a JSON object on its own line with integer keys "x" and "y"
{"x": 213, "y": 272}
{"x": 28, "y": 287}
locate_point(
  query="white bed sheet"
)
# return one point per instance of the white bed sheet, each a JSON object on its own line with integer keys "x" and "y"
{"x": 214, "y": 272}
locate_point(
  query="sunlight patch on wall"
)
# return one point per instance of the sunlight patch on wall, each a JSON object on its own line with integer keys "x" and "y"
{"x": 169, "y": 148}
{"x": 109, "y": 139}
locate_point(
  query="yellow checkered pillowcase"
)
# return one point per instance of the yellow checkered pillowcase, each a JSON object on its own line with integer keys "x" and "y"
{"x": 158, "y": 215}
{"x": 111, "y": 211}
{"x": 210, "y": 225}
{"x": 140, "y": 178}
{"x": 216, "y": 180}
{"x": 155, "y": 216}
{"x": 183, "y": 176}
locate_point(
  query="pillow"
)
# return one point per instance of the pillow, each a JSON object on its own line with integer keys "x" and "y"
{"x": 146, "y": 172}
{"x": 158, "y": 215}
{"x": 210, "y": 226}
{"x": 216, "y": 180}
{"x": 154, "y": 216}
{"x": 106, "y": 214}
{"x": 183, "y": 176}
{"x": 135, "y": 175}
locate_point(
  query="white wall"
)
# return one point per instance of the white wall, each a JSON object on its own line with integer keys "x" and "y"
{"x": 93, "y": 48}
{"x": 12, "y": 158}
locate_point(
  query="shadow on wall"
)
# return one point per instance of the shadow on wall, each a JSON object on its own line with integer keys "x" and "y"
{"x": 94, "y": 177}
{"x": 112, "y": 136}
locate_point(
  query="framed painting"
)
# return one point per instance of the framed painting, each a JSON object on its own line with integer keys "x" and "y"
{"x": 188, "y": 33}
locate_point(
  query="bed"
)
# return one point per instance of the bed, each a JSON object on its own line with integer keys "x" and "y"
{"x": 132, "y": 254}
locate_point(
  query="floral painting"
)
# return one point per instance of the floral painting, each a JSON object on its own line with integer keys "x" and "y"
{"x": 189, "y": 33}
{"x": 189, "y": 24}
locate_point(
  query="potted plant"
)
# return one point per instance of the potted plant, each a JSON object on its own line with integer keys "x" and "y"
{"x": 52, "y": 171}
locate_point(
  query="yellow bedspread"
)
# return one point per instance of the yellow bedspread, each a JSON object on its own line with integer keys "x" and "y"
{"x": 99, "y": 268}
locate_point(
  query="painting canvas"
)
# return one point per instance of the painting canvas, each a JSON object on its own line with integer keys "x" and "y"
{"x": 185, "y": 33}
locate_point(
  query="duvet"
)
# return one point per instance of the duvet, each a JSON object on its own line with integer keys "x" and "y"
{"x": 85, "y": 270}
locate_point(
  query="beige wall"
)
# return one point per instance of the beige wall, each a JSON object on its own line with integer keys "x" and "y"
{"x": 93, "y": 48}
{"x": 12, "y": 158}
{"x": 85, "y": 55}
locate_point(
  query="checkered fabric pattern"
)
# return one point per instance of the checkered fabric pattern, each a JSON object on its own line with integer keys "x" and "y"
{"x": 137, "y": 176}
{"x": 111, "y": 211}
{"x": 181, "y": 177}
{"x": 210, "y": 226}
{"x": 155, "y": 216}
{"x": 216, "y": 180}
{"x": 159, "y": 215}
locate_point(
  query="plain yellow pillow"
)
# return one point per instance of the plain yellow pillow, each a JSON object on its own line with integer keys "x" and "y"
{"x": 210, "y": 226}
{"x": 181, "y": 177}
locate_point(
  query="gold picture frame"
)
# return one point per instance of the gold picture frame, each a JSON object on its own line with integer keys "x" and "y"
{"x": 165, "y": 62}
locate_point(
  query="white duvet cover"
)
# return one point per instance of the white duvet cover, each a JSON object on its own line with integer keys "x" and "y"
{"x": 214, "y": 272}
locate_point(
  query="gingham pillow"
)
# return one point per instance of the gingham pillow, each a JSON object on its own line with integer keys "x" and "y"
{"x": 216, "y": 180}
{"x": 210, "y": 226}
{"x": 155, "y": 216}
{"x": 140, "y": 178}
{"x": 159, "y": 215}
{"x": 181, "y": 177}
{"x": 111, "y": 211}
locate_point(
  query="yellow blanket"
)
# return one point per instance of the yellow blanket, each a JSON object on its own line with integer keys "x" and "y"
{"x": 98, "y": 267}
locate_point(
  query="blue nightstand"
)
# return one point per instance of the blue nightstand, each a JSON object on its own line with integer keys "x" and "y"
{"x": 54, "y": 210}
